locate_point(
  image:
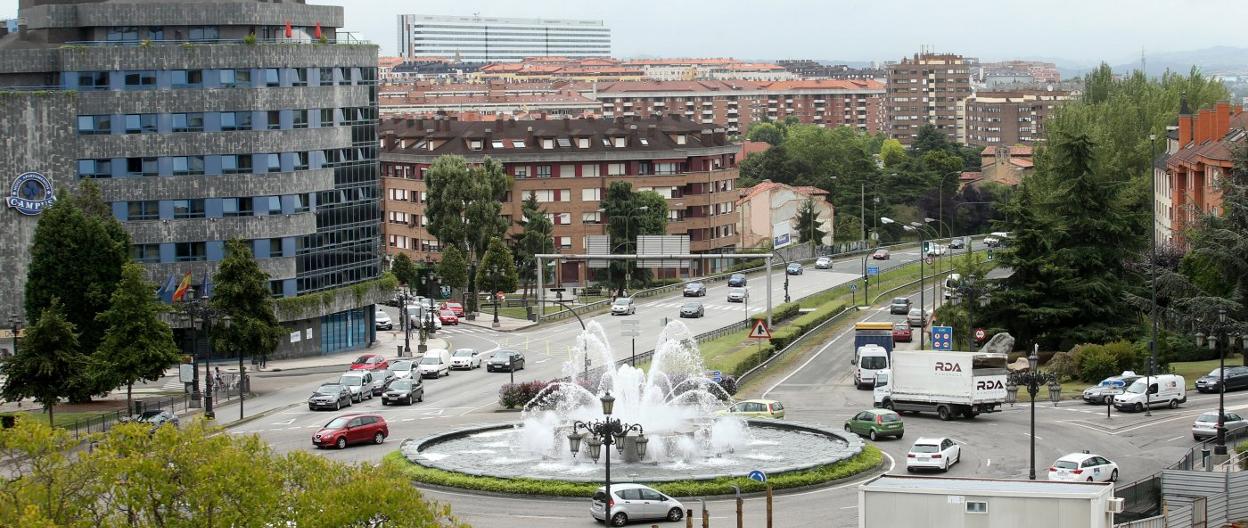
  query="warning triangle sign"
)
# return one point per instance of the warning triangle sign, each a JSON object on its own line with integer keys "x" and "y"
{"x": 760, "y": 330}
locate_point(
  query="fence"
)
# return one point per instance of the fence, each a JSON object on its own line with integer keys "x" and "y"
{"x": 227, "y": 390}
{"x": 1192, "y": 496}
{"x": 1141, "y": 499}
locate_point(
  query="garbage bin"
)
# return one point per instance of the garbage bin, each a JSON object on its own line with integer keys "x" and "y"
{"x": 400, "y": 353}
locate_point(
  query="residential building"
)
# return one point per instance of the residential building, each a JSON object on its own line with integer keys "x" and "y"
{"x": 492, "y": 39}
{"x": 1009, "y": 117}
{"x": 810, "y": 69}
{"x": 1206, "y": 143}
{"x": 1008, "y": 74}
{"x": 1163, "y": 191}
{"x": 197, "y": 136}
{"x": 941, "y": 502}
{"x": 568, "y": 164}
{"x": 928, "y": 89}
{"x": 768, "y": 214}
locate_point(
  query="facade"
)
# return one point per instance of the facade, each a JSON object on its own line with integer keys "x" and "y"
{"x": 928, "y": 88}
{"x": 1009, "y": 117}
{"x": 1004, "y": 165}
{"x": 568, "y": 164}
{"x": 1206, "y": 142}
{"x": 490, "y": 39}
{"x": 810, "y": 69}
{"x": 1005, "y": 74}
{"x": 768, "y": 214}
{"x": 1163, "y": 192}
{"x": 935, "y": 502}
{"x": 196, "y": 137}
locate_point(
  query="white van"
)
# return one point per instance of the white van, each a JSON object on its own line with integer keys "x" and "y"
{"x": 951, "y": 284}
{"x": 1165, "y": 389}
{"x": 869, "y": 360}
{"x": 435, "y": 364}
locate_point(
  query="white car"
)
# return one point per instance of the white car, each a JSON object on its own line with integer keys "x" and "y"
{"x": 361, "y": 384}
{"x": 634, "y": 502}
{"x": 1206, "y": 425}
{"x": 414, "y": 312}
{"x": 823, "y": 263}
{"x": 435, "y": 364}
{"x": 1080, "y": 467}
{"x": 466, "y": 359}
{"x": 402, "y": 368}
{"x": 933, "y": 453}
{"x": 382, "y": 320}
{"x": 623, "y": 306}
{"x": 738, "y": 295}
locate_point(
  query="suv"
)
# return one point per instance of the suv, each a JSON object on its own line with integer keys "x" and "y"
{"x": 361, "y": 384}
{"x": 695, "y": 289}
{"x": 899, "y": 306}
{"x": 736, "y": 280}
{"x": 1236, "y": 378}
{"x": 623, "y": 306}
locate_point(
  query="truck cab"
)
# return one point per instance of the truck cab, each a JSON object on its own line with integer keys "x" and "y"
{"x": 868, "y": 360}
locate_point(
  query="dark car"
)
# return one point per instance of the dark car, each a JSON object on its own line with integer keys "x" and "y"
{"x": 1236, "y": 378}
{"x": 405, "y": 390}
{"x": 505, "y": 360}
{"x": 695, "y": 289}
{"x": 692, "y": 309}
{"x": 382, "y": 378}
{"x": 737, "y": 280}
{"x": 899, "y": 306}
{"x": 793, "y": 269}
{"x": 330, "y": 396}
{"x": 957, "y": 243}
{"x": 352, "y": 429}
{"x": 157, "y": 419}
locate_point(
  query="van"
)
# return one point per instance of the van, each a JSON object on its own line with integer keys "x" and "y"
{"x": 1165, "y": 389}
{"x": 951, "y": 284}
{"x": 435, "y": 364}
{"x": 869, "y": 359}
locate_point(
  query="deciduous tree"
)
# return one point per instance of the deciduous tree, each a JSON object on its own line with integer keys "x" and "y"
{"x": 138, "y": 345}
{"x": 453, "y": 268}
{"x": 497, "y": 271}
{"x": 241, "y": 292}
{"x": 48, "y": 364}
{"x": 537, "y": 238}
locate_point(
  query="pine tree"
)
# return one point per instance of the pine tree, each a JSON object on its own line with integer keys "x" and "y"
{"x": 537, "y": 238}
{"x": 241, "y": 292}
{"x": 808, "y": 224}
{"x": 138, "y": 345}
{"x": 48, "y": 364}
{"x": 497, "y": 271}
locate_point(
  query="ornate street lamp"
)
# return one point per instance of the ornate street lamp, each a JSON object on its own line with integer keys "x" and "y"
{"x": 1033, "y": 379}
{"x": 15, "y": 322}
{"x": 1219, "y": 340}
{"x": 605, "y": 432}
{"x": 198, "y": 310}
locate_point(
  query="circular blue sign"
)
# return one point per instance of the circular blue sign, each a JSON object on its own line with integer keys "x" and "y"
{"x": 31, "y": 193}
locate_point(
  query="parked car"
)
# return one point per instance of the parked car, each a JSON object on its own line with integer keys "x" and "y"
{"x": 369, "y": 362}
{"x": 918, "y": 317}
{"x": 352, "y": 429}
{"x": 693, "y": 309}
{"x": 330, "y": 396}
{"x": 402, "y": 368}
{"x": 899, "y": 306}
{"x": 448, "y": 317}
{"x": 880, "y": 254}
{"x": 633, "y": 502}
{"x": 157, "y": 419}
{"x": 695, "y": 289}
{"x": 1109, "y": 387}
{"x": 823, "y": 263}
{"x": 1206, "y": 425}
{"x": 1236, "y": 378}
{"x": 738, "y": 295}
{"x": 755, "y": 409}
{"x": 406, "y": 390}
{"x": 737, "y": 280}
{"x": 933, "y": 453}
{"x": 876, "y": 423}
{"x": 382, "y": 321}
{"x": 1084, "y": 466}
{"x": 436, "y": 362}
{"x": 382, "y": 379}
{"x": 505, "y": 360}
{"x": 466, "y": 359}
{"x": 623, "y": 306}
{"x": 1151, "y": 391}
{"x": 793, "y": 268}
{"x": 902, "y": 332}
{"x": 360, "y": 384}
{"x": 454, "y": 307}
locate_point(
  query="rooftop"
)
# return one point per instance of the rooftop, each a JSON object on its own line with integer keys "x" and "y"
{"x": 989, "y": 487}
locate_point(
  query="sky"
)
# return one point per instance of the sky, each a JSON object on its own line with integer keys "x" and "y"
{"x": 1079, "y": 31}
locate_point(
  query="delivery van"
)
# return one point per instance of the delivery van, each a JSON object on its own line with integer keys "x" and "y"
{"x": 1153, "y": 391}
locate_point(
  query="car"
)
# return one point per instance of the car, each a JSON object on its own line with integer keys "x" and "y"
{"x": 465, "y": 358}
{"x": 157, "y": 419}
{"x": 738, "y": 295}
{"x": 936, "y": 250}
{"x": 406, "y": 390}
{"x": 360, "y": 384}
{"x": 369, "y": 362}
{"x": 330, "y": 396}
{"x": 793, "y": 268}
{"x": 381, "y": 379}
{"x": 1081, "y": 467}
{"x": 623, "y": 306}
{"x": 902, "y": 332}
{"x": 880, "y": 254}
{"x": 876, "y": 424}
{"x": 436, "y": 362}
{"x": 418, "y": 315}
{"x": 737, "y": 280}
{"x": 823, "y": 263}
{"x": 992, "y": 242}
{"x": 633, "y": 502}
{"x": 448, "y": 317}
{"x": 695, "y": 289}
{"x": 454, "y": 307}
{"x": 1236, "y": 378}
{"x": 1152, "y": 391}
{"x": 900, "y": 305}
{"x": 957, "y": 243}
{"x": 505, "y": 360}
{"x": 352, "y": 429}
{"x": 755, "y": 409}
{"x": 918, "y": 317}
{"x": 402, "y": 368}
{"x": 693, "y": 309}
{"x": 933, "y": 453}
{"x": 382, "y": 321}
{"x": 1105, "y": 391}
{"x": 1206, "y": 425}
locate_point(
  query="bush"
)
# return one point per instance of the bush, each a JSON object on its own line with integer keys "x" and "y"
{"x": 729, "y": 384}
{"x": 1063, "y": 364}
{"x": 1242, "y": 448}
{"x": 1097, "y": 362}
{"x": 512, "y": 395}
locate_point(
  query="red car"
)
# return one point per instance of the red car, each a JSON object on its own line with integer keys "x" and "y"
{"x": 880, "y": 254}
{"x": 448, "y": 317}
{"x": 352, "y": 429}
{"x": 902, "y": 332}
{"x": 454, "y": 307}
{"x": 370, "y": 362}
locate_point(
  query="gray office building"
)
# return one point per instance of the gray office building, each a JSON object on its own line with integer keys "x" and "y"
{"x": 202, "y": 121}
{"x": 491, "y": 39}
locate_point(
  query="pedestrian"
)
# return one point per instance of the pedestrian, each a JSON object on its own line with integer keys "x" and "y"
{"x": 218, "y": 378}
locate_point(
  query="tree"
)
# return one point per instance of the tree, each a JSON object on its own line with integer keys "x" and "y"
{"x": 405, "y": 270}
{"x": 807, "y": 223}
{"x": 497, "y": 270}
{"x": 49, "y": 363}
{"x": 892, "y": 153}
{"x": 450, "y": 191}
{"x": 465, "y": 207}
{"x": 241, "y": 292}
{"x": 484, "y": 215}
{"x": 630, "y": 214}
{"x": 138, "y": 345}
{"x": 453, "y": 268}
{"x": 771, "y": 133}
{"x": 536, "y": 238}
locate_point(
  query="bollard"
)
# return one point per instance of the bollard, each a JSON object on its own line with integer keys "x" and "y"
{"x": 740, "y": 518}
{"x": 400, "y": 352}
{"x": 706, "y": 516}
{"x": 768, "y": 505}
{"x": 689, "y": 518}
{"x": 1109, "y": 406}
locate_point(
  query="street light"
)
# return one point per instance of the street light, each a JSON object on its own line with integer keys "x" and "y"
{"x": 628, "y": 224}
{"x": 197, "y": 308}
{"x": 916, "y": 228}
{"x": 1219, "y": 340}
{"x": 605, "y": 432}
{"x": 405, "y": 321}
{"x": 1033, "y": 379}
{"x": 15, "y": 322}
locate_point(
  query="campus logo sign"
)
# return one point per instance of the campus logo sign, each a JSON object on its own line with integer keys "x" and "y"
{"x": 31, "y": 193}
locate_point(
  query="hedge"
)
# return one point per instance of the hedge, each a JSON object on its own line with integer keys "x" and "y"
{"x": 868, "y": 459}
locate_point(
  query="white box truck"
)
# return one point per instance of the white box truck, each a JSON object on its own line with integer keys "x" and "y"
{"x": 947, "y": 383}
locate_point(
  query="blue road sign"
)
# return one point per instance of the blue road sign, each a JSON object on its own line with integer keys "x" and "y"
{"x": 757, "y": 475}
{"x": 942, "y": 338}
{"x": 873, "y": 271}
{"x": 715, "y": 375}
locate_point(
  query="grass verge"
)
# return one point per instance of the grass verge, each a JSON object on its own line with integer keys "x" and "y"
{"x": 868, "y": 459}
{"x": 62, "y": 419}
{"x": 1191, "y": 370}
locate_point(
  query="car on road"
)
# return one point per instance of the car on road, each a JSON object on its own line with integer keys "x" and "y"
{"x": 1151, "y": 391}
{"x": 1206, "y": 425}
{"x": 693, "y": 309}
{"x": 382, "y": 321}
{"x": 738, "y": 295}
{"x": 330, "y": 396}
{"x": 902, "y": 332}
{"x": 992, "y": 242}
{"x": 465, "y": 359}
{"x": 402, "y": 368}
{"x": 418, "y": 316}
{"x": 755, "y": 409}
{"x": 936, "y": 250}
{"x": 360, "y": 383}
{"x": 633, "y": 502}
{"x": 1105, "y": 391}
{"x": 957, "y": 243}
{"x": 448, "y": 317}
{"x": 454, "y": 307}
{"x": 823, "y": 263}
{"x": 435, "y": 364}
{"x": 876, "y": 423}
{"x": 352, "y": 429}
{"x": 382, "y": 379}
{"x": 899, "y": 306}
{"x": 918, "y": 317}
{"x": 737, "y": 280}
{"x": 933, "y": 453}
{"x": 794, "y": 268}
{"x": 406, "y": 390}
{"x": 1236, "y": 378}
{"x": 880, "y": 254}
{"x": 1081, "y": 467}
{"x": 157, "y": 418}
{"x": 505, "y": 360}
{"x": 369, "y": 362}
{"x": 695, "y": 289}
{"x": 623, "y": 306}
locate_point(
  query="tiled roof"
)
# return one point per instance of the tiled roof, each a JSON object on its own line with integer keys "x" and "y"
{"x": 1016, "y": 150}
{"x": 768, "y": 186}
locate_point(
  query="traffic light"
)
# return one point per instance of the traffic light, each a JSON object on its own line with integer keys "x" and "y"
{"x": 925, "y": 246}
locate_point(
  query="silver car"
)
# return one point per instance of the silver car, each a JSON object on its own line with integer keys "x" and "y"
{"x": 1206, "y": 425}
{"x": 623, "y": 306}
{"x": 823, "y": 263}
{"x": 738, "y": 295}
{"x": 1104, "y": 392}
{"x": 634, "y": 502}
{"x": 361, "y": 384}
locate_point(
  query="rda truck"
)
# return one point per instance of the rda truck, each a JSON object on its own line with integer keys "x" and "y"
{"x": 949, "y": 384}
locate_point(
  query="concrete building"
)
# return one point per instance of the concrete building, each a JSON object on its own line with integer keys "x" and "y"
{"x": 1004, "y": 165}
{"x": 928, "y": 88}
{"x": 491, "y": 39}
{"x": 1009, "y": 117}
{"x": 810, "y": 69}
{"x": 1206, "y": 143}
{"x": 768, "y": 214}
{"x": 196, "y": 136}
{"x": 568, "y": 164}
{"x": 933, "y": 502}
{"x": 1006, "y": 75}
{"x": 1163, "y": 191}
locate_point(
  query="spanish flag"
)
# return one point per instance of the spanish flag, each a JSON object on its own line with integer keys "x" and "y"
{"x": 182, "y": 287}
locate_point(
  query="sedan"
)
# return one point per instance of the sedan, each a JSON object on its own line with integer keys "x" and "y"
{"x": 1085, "y": 466}
{"x": 405, "y": 390}
{"x": 448, "y": 317}
{"x": 369, "y": 362}
{"x": 352, "y": 429}
{"x": 880, "y": 254}
{"x": 738, "y": 295}
{"x": 899, "y": 306}
{"x": 1206, "y": 425}
{"x": 692, "y": 309}
{"x": 736, "y": 280}
{"x": 695, "y": 289}
{"x": 1236, "y": 378}
{"x": 623, "y": 306}
{"x": 454, "y": 307}
{"x": 330, "y": 396}
{"x": 755, "y": 409}
{"x": 402, "y": 368}
{"x": 902, "y": 332}
{"x": 876, "y": 423}
{"x": 933, "y": 453}
{"x": 634, "y": 502}
{"x": 466, "y": 359}
{"x": 382, "y": 378}
{"x": 793, "y": 268}
{"x": 505, "y": 360}
{"x": 957, "y": 243}
{"x": 382, "y": 320}
{"x": 823, "y": 263}
{"x": 918, "y": 317}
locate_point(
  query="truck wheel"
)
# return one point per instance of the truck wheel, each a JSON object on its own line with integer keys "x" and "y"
{"x": 1174, "y": 404}
{"x": 1139, "y": 407}
{"x": 888, "y": 404}
{"x": 942, "y": 411}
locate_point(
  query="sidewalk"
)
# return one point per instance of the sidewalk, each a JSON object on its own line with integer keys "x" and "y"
{"x": 506, "y": 324}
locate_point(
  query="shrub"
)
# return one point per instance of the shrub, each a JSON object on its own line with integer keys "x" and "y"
{"x": 1242, "y": 448}
{"x": 1063, "y": 364}
{"x": 1097, "y": 362}
{"x": 512, "y": 395}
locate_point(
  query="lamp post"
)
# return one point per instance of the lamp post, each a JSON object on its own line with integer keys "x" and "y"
{"x": 606, "y": 432}
{"x": 940, "y": 208}
{"x": 786, "y": 277}
{"x": 1033, "y": 379}
{"x": 405, "y": 322}
{"x": 197, "y": 308}
{"x": 15, "y": 322}
{"x": 1218, "y": 340}
{"x": 915, "y": 227}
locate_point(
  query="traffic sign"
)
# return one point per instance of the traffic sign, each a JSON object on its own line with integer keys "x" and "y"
{"x": 853, "y": 287}
{"x": 873, "y": 271}
{"x": 760, "y": 330}
{"x": 942, "y": 338}
{"x": 757, "y": 475}
{"x": 980, "y": 334}
{"x": 715, "y": 375}
{"x": 631, "y": 328}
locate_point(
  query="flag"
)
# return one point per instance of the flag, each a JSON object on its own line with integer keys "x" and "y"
{"x": 207, "y": 287}
{"x": 289, "y": 32}
{"x": 182, "y": 287}
{"x": 318, "y": 31}
{"x": 166, "y": 292}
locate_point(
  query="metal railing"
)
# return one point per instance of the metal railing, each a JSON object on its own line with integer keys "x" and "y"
{"x": 340, "y": 38}
{"x": 1194, "y": 459}
{"x": 796, "y": 342}
{"x": 227, "y": 391}
{"x": 1141, "y": 499}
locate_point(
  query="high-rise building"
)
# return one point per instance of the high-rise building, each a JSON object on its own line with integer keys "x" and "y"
{"x": 1014, "y": 117}
{"x": 490, "y": 39}
{"x": 928, "y": 89}
{"x": 203, "y": 121}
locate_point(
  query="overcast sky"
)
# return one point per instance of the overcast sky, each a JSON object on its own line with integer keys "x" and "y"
{"x": 861, "y": 30}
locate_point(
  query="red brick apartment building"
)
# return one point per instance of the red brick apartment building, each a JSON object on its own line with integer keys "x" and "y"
{"x": 1206, "y": 143}
{"x": 1007, "y": 118}
{"x": 568, "y": 165}
{"x": 928, "y": 88}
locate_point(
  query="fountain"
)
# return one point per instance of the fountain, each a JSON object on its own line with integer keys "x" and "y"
{"x": 686, "y": 437}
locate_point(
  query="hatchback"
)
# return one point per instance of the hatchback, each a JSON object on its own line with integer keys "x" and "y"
{"x": 755, "y": 409}
{"x": 369, "y": 362}
{"x": 1206, "y": 425}
{"x": 899, "y": 306}
{"x": 902, "y": 332}
{"x": 876, "y": 423}
{"x": 448, "y": 317}
{"x": 406, "y": 390}
{"x": 382, "y": 320}
{"x": 736, "y": 280}
{"x": 466, "y": 359}
{"x": 330, "y": 396}
{"x": 880, "y": 254}
{"x": 823, "y": 263}
{"x": 692, "y": 309}
{"x": 505, "y": 360}
{"x": 1085, "y": 466}
{"x": 634, "y": 502}
{"x": 793, "y": 269}
{"x": 352, "y": 429}
{"x": 402, "y": 368}
{"x": 933, "y": 453}
{"x": 695, "y": 289}
{"x": 738, "y": 295}
{"x": 454, "y": 307}
{"x": 623, "y": 306}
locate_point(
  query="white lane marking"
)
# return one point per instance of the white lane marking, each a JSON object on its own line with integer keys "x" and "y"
{"x": 989, "y": 464}
{"x": 854, "y": 507}
{"x": 812, "y": 358}
{"x": 1176, "y": 438}
{"x": 285, "y": 422}
{"x": 1029, "y": 434}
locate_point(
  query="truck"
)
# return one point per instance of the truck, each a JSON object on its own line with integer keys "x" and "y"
{"x": 874, "y": 333}
{"x": 950, "y": 384}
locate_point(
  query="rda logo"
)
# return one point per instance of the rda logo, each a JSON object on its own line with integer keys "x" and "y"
{"x": 946, "y": 366}
{"x": 987, "y": 385}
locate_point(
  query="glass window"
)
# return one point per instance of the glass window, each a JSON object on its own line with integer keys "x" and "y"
{"x": 145, "y": 253}
{"x": 522, "y": 171}
{"x": 300, "y": 118}
{"x": 615, "y": 169}
{"x": 327, "y": 76}
{"x": 188, "y": 208}
{"x": 236, "y": 207}
{"x": 239, "y": 78}
{"x": 273, "y": 163}
{"x": 270, "y": 204}
{"x": 190, "y": 251}
{"x": 301, "y": 203}
{"x": 140, "y": 80}
{"x": 236, "y": 164}
{"x": 327, "y": 117}
{"x": 142, "y": 167}
{"x": 93, "y": 80}
{"x": 543, "y": 171}
{"x": 188, "y": 165}
{"x": 100, "y": 124}
{"x": 95, "y": 168}
{"x": 147, "y": 210}
{"x": 140, "y": 123}
{"x": 156, "y": 33}
{"x": 188, "y": 78}
{"x": 123, "y": 34}
{"x": 345, "y": 78}
{"x": 271, "y": 77}
{"x": 299, "y": 77}
{"x": 301, "y": 161}
{"x": 273, "y": 119}
{"x": 235, "y": 121}
{"x": 192, "y": 122}
{"x": 275, "y": 247}
{"x": 205, "y": 33}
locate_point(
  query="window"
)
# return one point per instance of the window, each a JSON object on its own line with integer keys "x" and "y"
{"x": 271, "y": 77}
{"x": 156, "y": 33}
{"x": 345, "y": 80}
{"x": 188, "y": 78}
{"x": 300, "y": 118}
{"x": 591, "y": 195}
{"x": 142, "y": 167}
{"x": 548, "y": 144}
{"x": 95, "y": 168}
{"x": 236, "y": 78}
{"x": 589, "y": 171}
{"x": 93, "y": 80}
{"x": 543, "y": 171}
{"x": 190, "y": 251}
{"x": 567, "y": 171}
{"x": 582, "y": 143}
{"x": 615, "y": 169}
{"x": 140, "y": 123}
{"x": 497, "y": 143}
{"x": 188, "y": 165}
{"x": 192, "y": 122}
{"x": 145, "y": 253}
{"x": 147, "y": 210}
{"x": 236, "y": 164}
{"x": 235, "y": 121}
{"x": 273, "y": 119}
{"x": 299, "y": 77}
{"x": 327, "y": 117}
{"x": 620, "y": 142}
{"x": 666, "y": 168}
{"x": 522, "y": 171}
{"x": 327, "y": 76}
{"x": 301, "y": 161}
{"x": 188, "y": 208}
{"x": 302, "y": 204}
{"x": 236, "y": 207}
{"x": 204, "y": 33}
{"x": 273, "y": 163}
{"x": 275, "y": 247}
{"x": 564, "y": 142}
{"x": 474, "y": 144}
{"x": 101, "y": 124}
{"x": 123, "y": 34}
{"x": 976, "y": 507}
{"x": 140, "y": 80}
{"x": 565, "y": 242}
{"x": 591, "y": 218}
{"x": 517, "y": 143}
{"x": 269, "y": 204}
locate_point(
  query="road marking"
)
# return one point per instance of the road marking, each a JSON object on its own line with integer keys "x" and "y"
{"x": 812, "y": 358}
{"x": 1176, "y": 438}
{"x": 989, "y": 464}
{"x": 1029, "y": 434}
{"x": 285, "y": 422}
{"x": 854, "y": 507}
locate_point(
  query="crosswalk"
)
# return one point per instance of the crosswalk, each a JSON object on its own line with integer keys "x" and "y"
{"x": 726, "y": 306}
{"x": 465, "y": 330}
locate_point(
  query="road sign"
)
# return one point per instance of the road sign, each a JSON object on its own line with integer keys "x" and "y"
{"x": 873, "y": 271}
{"x": 853, "y": 287}
{"x": 980, "y": 334}
{"x": 757, "y": 475}
{"x": 445, "y": 291}
{"x": 760, "y": 330}
{"x": 930, "y": 260}
{"x": 715, "y": 375}
{"x": 631, "y": 328}
{"x": 942, "y": 338}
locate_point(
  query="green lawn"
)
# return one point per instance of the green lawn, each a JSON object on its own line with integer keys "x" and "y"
{"x": 1191, "y": 370}
{"x": 63, "y": 419}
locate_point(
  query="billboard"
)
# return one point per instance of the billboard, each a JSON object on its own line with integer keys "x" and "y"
{"x": 598, "y": 245}
{"x": 662, "y": 245}
{"x": 781, "y": 235}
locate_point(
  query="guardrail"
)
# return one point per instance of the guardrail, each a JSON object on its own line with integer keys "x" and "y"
{"x": 227, "y": 391}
